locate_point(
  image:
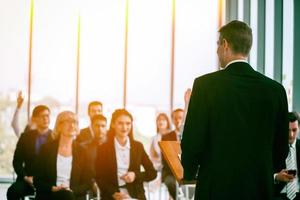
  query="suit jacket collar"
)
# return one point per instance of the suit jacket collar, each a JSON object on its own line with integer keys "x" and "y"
{"x": 113, "y": 164}
{"x": 239, "y": 68}
{"x": 234, "y": 61}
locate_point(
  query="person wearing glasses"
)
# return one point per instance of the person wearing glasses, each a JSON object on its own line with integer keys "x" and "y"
{"x": 63, "y": 171}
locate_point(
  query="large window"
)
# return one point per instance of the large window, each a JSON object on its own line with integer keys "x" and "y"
{"x": 287, "y": 49}
{"x": 14, "y": 40}
{"x": 54, "y": 55}
{"x": 269, "y": 35}
{"x": 196, "y": 55}
{"x": 101, "y": 56}
{"x": 149, "y": 52}
{"x": 82, "y": 43}
{"x": 253, "y": 24}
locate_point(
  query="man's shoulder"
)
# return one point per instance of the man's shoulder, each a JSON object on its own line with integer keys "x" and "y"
{"x": 209, "y": 76}
{"x": 171, "y": 136}
{"x": 29, "y": 134}
{"x": 84, "y": 134}
{"x": 85, "y": 130}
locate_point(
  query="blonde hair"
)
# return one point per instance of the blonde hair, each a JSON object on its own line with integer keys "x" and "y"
{"x": 65, "y": 115}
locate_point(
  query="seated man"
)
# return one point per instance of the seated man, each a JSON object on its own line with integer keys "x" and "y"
{"x": 26, "y": 152}
{"x": 287, "y": 181}
{"x": 99, "y": 128}
{"x": 86, "y": 135}
{"x": 167, "y": 176}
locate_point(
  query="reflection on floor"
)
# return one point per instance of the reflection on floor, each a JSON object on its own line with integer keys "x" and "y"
{"x": 160, "y": 193}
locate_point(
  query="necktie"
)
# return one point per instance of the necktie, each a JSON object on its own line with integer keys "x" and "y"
{"x": 291, "y": 164}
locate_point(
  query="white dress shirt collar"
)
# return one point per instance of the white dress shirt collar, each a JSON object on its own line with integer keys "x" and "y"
{"x": 119, "y": 146}
{"x": 234, "y": 61}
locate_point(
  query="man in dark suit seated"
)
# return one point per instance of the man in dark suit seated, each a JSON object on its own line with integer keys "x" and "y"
{"x": 86, "y": 135}
{"x": 175, "y": 135}
{"x": 25, "y": 156}
{"x": 286, "y": 183}
{"x": 99, "y": 127}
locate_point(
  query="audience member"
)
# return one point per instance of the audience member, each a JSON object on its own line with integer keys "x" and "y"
{"x": 162, "y": 127}
{"x": 63, "y": 171}
{"x": 119, "y": 161}
{"x": 25, "y": 156}
{"x": 99, "y": 127}
{"x": 287, "y": 182}
{"x": 86, "y": 135}
{"x": 175, "y": 135}
{"x": 15, "y": 119}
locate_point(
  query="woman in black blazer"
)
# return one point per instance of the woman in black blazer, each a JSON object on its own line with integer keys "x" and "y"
{"x": 119, "y": 161}
{"x": 63, "y": 171}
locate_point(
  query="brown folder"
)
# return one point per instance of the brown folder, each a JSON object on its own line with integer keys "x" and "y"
{"x": 171, "y": 151}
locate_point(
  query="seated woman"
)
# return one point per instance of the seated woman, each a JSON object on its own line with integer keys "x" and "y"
{"x": 63, "y": 171}
{"x": 119, "y": 161}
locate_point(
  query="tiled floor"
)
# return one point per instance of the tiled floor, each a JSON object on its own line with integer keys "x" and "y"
{"x": 3, "y": 189}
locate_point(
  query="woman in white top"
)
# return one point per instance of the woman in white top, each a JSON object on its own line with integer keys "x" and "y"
{"x": 162, "y": 127}
{"x": 63, "y": 170}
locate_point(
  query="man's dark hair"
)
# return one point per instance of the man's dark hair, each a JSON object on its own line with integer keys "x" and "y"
{"x": 94, "y": 103}
{"x": 293, "y": 116}
{"x": 98, "y": 117}
{"x": 176, "y": 110}
{"x": 238, "y": 35}
{"x": 38, "y": 109}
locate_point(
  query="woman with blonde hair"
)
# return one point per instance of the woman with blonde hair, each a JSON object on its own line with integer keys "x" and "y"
{"x": 63, "y": 171}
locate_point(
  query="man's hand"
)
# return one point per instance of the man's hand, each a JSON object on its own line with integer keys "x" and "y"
{"x": 95, "y": 188}
{"x": 129, "y": 177}
{"x": 120, "y": 196}
{"x": 29, "y": 180}
{"x": 20, "y": 100}
{"x": 60, "y": 187}
{"x": 283, "y": 176}
{"x": 187, "y": 96}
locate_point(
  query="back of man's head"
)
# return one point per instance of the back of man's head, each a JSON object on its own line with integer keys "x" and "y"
{"x": 238, "y": 35}
{"x": 293, "y": 116}
{"x": 38, "y": 109}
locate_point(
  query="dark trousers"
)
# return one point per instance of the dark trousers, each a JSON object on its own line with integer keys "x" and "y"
{"x": 170, "y": 182}
{"x": 283, "y": 196}
{"x": 18, "y": 190}
{"x": 60, "y": 195}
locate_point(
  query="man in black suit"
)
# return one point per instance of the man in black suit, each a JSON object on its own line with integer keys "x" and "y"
{"x": 287, "y": 184}
{"x": 236, "y": 128}
{"x": 86, "y": 135}
{"x": 99, "y": 127}
{"x": 167, "y": 176}
{"x": 25, "y": 156}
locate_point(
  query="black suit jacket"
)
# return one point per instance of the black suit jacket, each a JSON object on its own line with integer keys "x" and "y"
{"x": 106, "y": 170}
{"x": 80, "y": 180}
{"x": 25, "y": 156}
{"x": 166, "y": 171}
{"x": 85, "y": 136}
{"x": 280, "y": 185}
{"x": 236, "y": 129}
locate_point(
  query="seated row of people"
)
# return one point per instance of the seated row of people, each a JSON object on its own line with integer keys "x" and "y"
{"x": 92, "y": 137}
{"x": 57, "y": 166}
